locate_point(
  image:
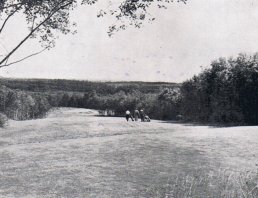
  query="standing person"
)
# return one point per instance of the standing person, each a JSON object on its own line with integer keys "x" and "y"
{"x": 142, "y": 114}
{"x": 136, "y": 114}
{"x": 128, "y": 115}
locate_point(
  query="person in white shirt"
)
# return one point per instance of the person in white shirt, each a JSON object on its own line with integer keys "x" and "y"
{"x": 128, "y": 115}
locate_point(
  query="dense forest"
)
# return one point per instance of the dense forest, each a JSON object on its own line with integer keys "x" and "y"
{"x": 21, "y": 105}
{"x": 226, "y": 92}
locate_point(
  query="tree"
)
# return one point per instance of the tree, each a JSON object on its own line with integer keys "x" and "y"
{"x": 225, "y": 93}
{"x": 45, "y": 18}
{"x": 168, "y": 101}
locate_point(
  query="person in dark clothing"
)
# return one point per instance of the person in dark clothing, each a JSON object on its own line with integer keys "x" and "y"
{"x": 142, "y": 114}
{"x": 136, "y": 115}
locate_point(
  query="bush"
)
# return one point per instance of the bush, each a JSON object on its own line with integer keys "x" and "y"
{"x": 3, "y": 120}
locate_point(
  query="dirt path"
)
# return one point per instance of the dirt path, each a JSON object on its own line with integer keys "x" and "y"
{"x": 73, "y": 153}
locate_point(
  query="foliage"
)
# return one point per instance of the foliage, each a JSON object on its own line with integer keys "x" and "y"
{"x": 103, "y": 88}
{"x": 168, "y": 102}
{"x": 153, "y": 103}
{"x": 3, "y": 120}
{"x": 227, "y": 92}
{"x": 19, "y": 105}
{"x": 28, "y": 99}
{"x": 224, "y": 93}
{"x": 46, "y": 18}
{"x": 134, "y": 12}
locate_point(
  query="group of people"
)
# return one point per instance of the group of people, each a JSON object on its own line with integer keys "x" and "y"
{"x": 137, "y": 114}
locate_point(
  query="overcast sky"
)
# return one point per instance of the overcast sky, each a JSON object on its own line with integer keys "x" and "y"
{"x": 183, "y": 38}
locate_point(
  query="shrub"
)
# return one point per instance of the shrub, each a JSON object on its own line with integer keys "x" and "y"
{"x": 3, "y": 120}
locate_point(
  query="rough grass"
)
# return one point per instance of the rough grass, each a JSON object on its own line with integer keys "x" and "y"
{"x": 220, "y": 184}
{"x": 73, "y": 153}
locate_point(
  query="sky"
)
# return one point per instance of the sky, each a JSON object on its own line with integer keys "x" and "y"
{"x": 171, "y": 49}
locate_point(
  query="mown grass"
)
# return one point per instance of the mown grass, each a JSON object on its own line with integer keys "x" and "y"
{"x": 73, "y": 153}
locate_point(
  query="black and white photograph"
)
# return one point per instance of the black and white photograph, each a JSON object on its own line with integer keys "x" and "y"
{"x": 128, "y": 99}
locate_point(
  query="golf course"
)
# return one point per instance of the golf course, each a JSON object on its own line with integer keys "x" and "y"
{"x": 77, "y": 153}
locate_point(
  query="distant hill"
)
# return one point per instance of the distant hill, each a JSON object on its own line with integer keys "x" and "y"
{"x": 46, "y": 85}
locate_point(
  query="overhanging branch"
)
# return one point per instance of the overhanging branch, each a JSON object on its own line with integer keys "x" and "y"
{"x": 8, "y": 17}
{"x": 20, "y": 60}
{"x": 58, "y": 7}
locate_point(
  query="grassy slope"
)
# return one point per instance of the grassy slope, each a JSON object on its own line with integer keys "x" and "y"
{"x": 73, "y": 153}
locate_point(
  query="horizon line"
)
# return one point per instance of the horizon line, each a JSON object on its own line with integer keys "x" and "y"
{"x": 87, "y": 80}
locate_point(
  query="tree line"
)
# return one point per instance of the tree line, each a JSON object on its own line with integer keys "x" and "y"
{"x": 162, "y": 105}
{"x": 49, "y": 85}
{"x": 21, "y": 105}
{"x": 224, "y": 93}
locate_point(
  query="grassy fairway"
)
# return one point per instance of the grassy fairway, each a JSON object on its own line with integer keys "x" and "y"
{"x": 73, "y": 153}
